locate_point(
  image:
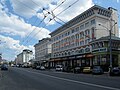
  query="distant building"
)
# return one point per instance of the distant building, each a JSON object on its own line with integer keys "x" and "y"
{"x": 24, "y": 57}
{"x": 43, "y": 50}
{"x": 71, "y": 42}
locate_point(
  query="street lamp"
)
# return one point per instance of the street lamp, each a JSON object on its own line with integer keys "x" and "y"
{"x": 110, "y": 41}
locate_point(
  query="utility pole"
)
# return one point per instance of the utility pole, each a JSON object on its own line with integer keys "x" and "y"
{"x": 110, "y": 39}
{"x": 0, "y": 54}
{"x": 110, "y": 46}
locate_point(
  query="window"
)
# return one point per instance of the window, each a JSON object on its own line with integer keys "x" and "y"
{"x": 73, "y": 30}
{"x": 81, "y": 34}
{"x": 82, "y": 27}
{"x": 87, "y": 24}
{"x": 93, "y": 33}
{"x": 68, "y": 32}
{"x": 62, "y": 35}
{"x": 87, "y": 41}
{"x": 59, "y": 36}
{"x": 87, "y": 32}
{"x": 81, "y": 43}
{"x": 77, "y": 29}
{"x": 77, "y": 36}
{"x": 101, "y": 44}
{"x": 92, "y": 21}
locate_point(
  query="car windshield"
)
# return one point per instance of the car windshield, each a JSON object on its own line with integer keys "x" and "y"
{"x": 86, "y": 67}
{"x": 115, "y": 67}
{"x": 4, "y": 65}
{"x": 59, "y": 66}
{"x": 96, "y": 67}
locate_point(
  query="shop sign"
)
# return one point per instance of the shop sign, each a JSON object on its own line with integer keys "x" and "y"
{"x": 103, "y": 49}
{"x": 89, "y": 55}
{"x": 100, "y": 50}
{"x": 72, "y": 57}
{"x": 64, "y": 58}
{"x": 80, "y": 56}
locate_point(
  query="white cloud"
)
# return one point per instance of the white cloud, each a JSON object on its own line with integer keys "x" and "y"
{"x": 14, "y": 25}
{"x": 11, "y": 26}
{"x": 69, "y": 13}
{"x": 9, "y": 43}
{"x": 117, "y": 1}
{"x": 28, "y": 8}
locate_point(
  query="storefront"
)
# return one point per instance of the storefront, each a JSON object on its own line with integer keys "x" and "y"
{"x": 101, "y": 52}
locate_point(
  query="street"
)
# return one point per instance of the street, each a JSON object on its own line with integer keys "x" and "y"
{"x": 31, "y": 79}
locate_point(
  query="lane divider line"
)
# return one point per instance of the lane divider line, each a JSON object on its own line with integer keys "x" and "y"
{"x": 74, "y": 81}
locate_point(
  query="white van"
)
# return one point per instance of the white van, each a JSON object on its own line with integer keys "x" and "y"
{"x": 59, "y": 68}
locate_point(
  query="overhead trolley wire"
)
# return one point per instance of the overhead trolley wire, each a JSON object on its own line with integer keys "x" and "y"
{"x": 48, "y": 13}
{"x": 34, "y": 29}
{"x": 67, "y": 8}
{"x": 27, "y": 36}
{"x": 55, "y": 16}
{"x": 43, "y": 18}
{"x": 59, "y": 5}
{"x": 41, "y": 21}
{"x": 26, "y": 5}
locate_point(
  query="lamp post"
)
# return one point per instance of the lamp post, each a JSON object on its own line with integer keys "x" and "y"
{"x": 110, "y": 41}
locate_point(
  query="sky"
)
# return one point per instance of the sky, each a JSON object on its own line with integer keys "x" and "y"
{"x": 24, "y": 22}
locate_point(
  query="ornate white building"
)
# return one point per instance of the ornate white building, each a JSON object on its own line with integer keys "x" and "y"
{"x": 24, "y": 57}
{"x": 70, "y": 42}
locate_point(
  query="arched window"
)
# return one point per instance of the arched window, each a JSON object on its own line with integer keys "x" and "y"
{"x": 69, "y": 53}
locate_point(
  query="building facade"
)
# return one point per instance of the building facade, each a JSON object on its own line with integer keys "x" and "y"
{"x": 43, "y": 50}
{"x": 101, "y": 51}
{"x": 24, "y": 57}
{"x": 70, "y": 42}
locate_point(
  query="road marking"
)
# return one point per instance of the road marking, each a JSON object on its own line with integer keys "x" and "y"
{"x": 84, "y": 83}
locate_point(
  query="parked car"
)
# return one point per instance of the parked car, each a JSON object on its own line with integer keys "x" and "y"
{"x": 19, "y": 65}
{"x": 97, "y": 70}
{"x": 114, "y": 71}
{"x": 59, "y": 68}
{"x": 77, "y": 69}
{"x": 87, "y": 70}
{"x": 12, "y": 65}
{"x": 25, "y": 65}
{"x": 42, "y": 68}
{"x": 37, "y": 67}
{"x": 34, "y": 66}
{"x": 4, "y": 67}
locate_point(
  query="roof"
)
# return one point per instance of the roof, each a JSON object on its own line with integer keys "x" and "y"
{"x": 43, "y": 41}
{"x": 106, "y": 38}
{"x": 66, "y": 25}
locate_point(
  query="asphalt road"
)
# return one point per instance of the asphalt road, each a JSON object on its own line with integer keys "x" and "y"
{"x": 29, "y": 79}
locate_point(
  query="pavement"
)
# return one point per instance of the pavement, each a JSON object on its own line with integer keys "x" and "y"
{"x": 31, "y": 79}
